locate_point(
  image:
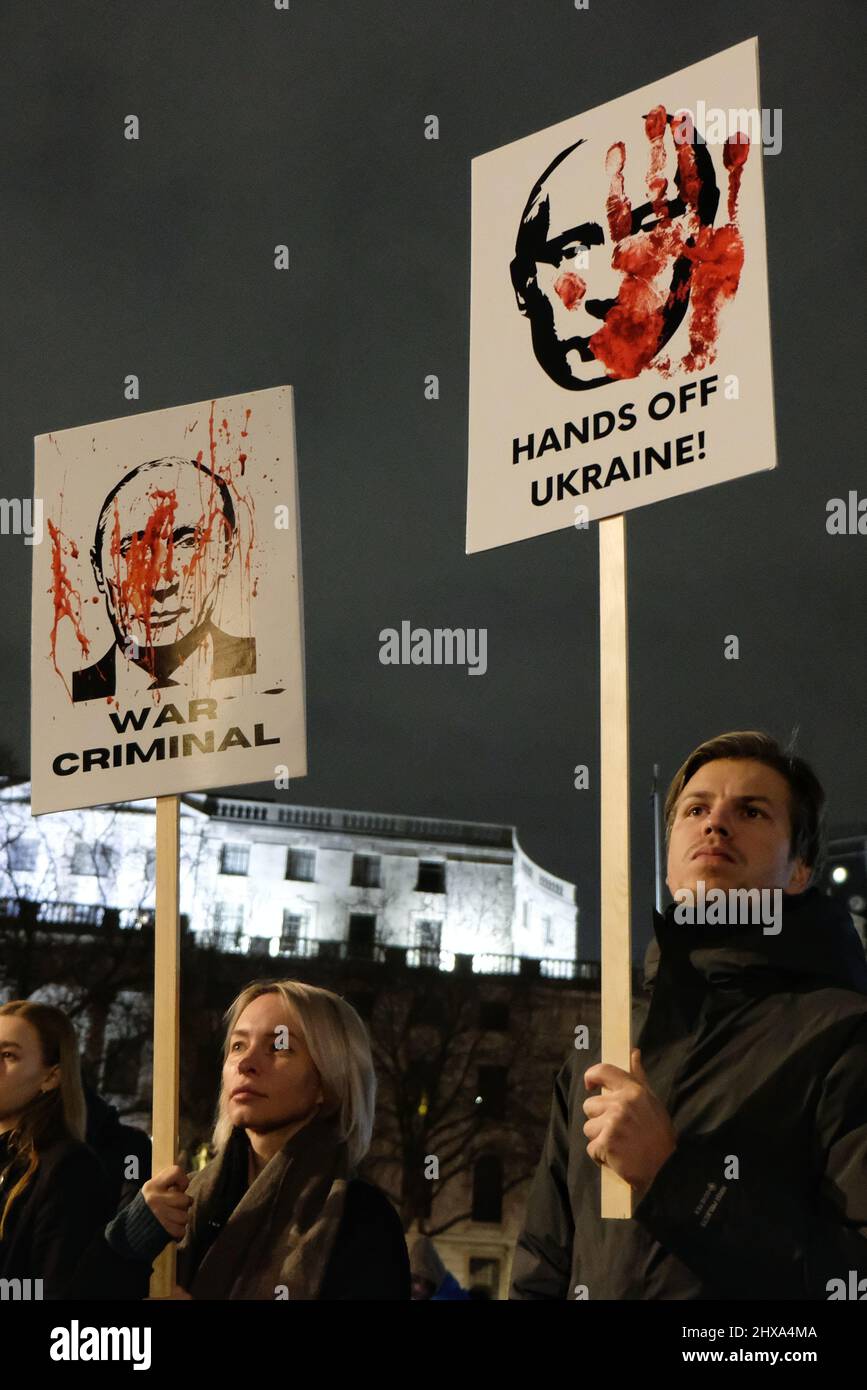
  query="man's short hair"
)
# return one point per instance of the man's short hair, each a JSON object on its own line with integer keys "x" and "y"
{"x": 806, "y": 793}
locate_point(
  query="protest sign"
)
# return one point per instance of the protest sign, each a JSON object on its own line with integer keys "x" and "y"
{"x": 167, "y": 637}
{"x": 619, "y": 337}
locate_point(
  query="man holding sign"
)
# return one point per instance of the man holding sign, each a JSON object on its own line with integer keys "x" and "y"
{"x": 742, "y": 1128}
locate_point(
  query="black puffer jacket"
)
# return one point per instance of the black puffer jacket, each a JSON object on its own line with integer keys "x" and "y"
{"x": 757, "y": 1045}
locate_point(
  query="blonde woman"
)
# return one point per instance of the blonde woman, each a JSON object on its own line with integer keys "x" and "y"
{"x": 279, "y": 1213}
{"x": 55, "y": 1196}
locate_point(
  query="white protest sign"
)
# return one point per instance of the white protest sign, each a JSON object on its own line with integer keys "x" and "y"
{"x": 619, "y": 335}
{"x": 167, "y": 628}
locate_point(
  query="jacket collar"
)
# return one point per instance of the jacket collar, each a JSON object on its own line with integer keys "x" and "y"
{"x": 817, "y": 946}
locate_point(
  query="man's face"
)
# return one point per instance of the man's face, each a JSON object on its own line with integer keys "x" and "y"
{"x": 610, "y": 284}
{"x": 732, "y": 828}
{"x": 267, "y": 1086}
{"x": 165, "y": 547}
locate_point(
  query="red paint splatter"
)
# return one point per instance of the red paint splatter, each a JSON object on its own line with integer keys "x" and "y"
{"x": 630, "y": 337}
{"x": 690, "y": 180}
{"x": 617, "y": 204}
{"x": 571, "y": 289}
{"x": 735, "y": 151}
{"x": 66, "y": 598}
{"x": 657, "y": 183}
{"x": 142, "y": 562}
{"x": 718, "y": 258}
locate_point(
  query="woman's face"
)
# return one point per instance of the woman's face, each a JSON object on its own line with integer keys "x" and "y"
{"x": 269, "y": 1080}
{"x": 23, "y": 1073}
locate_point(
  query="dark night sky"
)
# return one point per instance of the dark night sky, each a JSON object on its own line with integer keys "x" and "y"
{"x": 306, "y": 127}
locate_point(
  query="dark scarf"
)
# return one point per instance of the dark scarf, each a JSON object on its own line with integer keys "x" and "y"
{"x": 245, "y": 1242}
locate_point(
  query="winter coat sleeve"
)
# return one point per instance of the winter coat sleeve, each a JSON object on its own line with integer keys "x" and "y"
{"x": 117, "y": 1264}
{"x": 754, "y": 1237}
{"x": 543, "y": 1255}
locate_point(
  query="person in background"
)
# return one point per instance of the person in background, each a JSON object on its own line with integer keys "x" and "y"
{"x": 54, "y": 1195}
{"x": 125, "y": 1152}
{"x": 430, "y": 1278}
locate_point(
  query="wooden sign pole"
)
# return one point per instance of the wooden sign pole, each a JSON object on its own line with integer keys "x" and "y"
{"x": 166, "y": 1015}
{"x": 616, "y": 902}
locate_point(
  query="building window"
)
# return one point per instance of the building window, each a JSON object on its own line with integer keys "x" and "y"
{"x": 488, "y": 1189}
{"x": 229, "y": 922}
{"x": 362, "y": 934}
{"x": 82, "y": 859}
{"x": 293, "y": 929}
{"x": 485, "y": 1275}
{"x": 234, "y": 859}
{"x": 549, "y": 934}
{"x": 97, "y": 859}
{"x": 491, "y": 1093}
{"x": 23, "y": 855}
{"x": 366, "y": 871}
{"x": 301, "y": 865}
{"x": 428, "y": 932}
{"x": 431, "y": 876}
{"x": 494, "y": 1015}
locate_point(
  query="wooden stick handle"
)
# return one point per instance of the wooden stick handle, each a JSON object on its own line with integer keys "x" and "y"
{"x": 616, "y": 904}
{"x": 167, "y": 956}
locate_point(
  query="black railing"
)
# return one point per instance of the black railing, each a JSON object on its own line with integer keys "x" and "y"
{"x": 83, "y": 918}
{"x": 78, "y": 917}
{"x": 412, "y": 957}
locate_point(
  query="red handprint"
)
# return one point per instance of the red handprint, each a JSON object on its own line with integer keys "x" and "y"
{"x": 681, "y": 256}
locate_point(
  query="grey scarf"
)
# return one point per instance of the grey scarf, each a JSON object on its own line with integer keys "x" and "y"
{"x": 275, "y": 1242}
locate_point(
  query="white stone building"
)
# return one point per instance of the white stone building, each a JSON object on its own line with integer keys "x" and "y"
{"x": 303, "y": 880}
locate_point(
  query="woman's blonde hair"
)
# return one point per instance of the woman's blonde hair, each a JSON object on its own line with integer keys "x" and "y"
{"x": 337, "y": 1042}
{"x": 60, "y": 1113}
